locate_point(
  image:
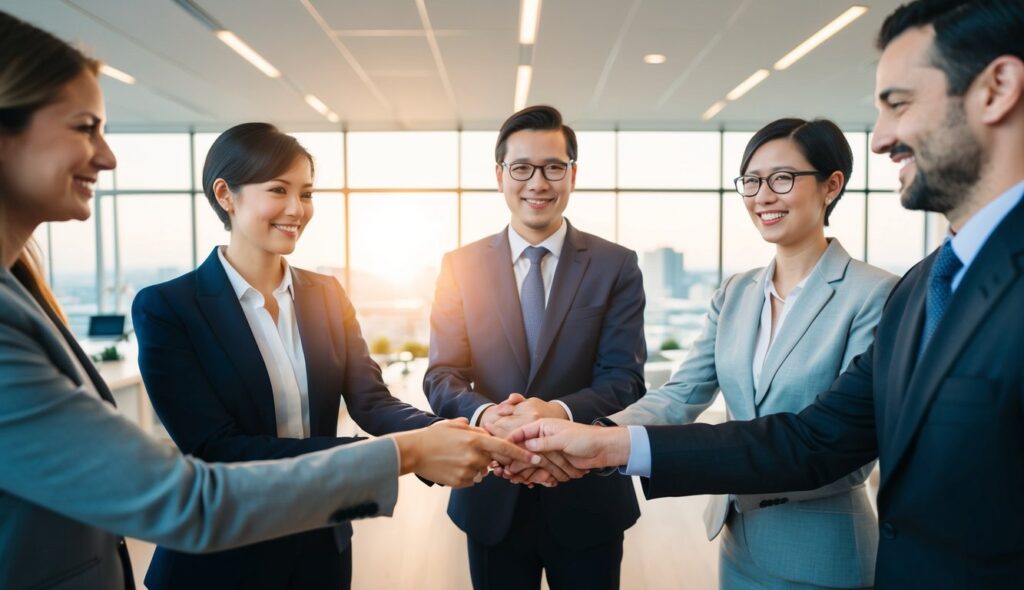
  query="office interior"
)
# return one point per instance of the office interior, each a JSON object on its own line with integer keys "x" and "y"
{"x": 399, "y": 101}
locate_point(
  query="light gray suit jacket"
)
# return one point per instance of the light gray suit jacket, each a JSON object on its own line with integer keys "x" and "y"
{"x": 75, "y": 475}
{"x": 826, "y": 536}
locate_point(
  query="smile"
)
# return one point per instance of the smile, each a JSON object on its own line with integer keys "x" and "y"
{"x": 85, "y": 184}
{"x": 772, "y": 216}
{"x": 288, "y": 229}
{"x": 537, "y": 203}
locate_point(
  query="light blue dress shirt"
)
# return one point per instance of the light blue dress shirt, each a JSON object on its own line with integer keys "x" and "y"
{"x": 966, "y": 243}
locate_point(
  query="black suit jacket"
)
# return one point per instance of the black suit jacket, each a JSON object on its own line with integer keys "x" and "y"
{"x": 948, "y": 430}
{"x": 593, "y": 351}
{"x": 210, "y": 387}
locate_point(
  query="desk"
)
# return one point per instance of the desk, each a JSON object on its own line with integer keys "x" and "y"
{"x": 125, "y": 382}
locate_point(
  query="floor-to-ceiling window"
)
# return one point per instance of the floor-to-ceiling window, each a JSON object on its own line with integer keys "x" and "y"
{"x": 389, "y": 204}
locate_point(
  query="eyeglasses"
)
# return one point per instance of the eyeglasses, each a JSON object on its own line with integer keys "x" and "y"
{"x": 551, "y": 171}
{"x": 780, "y": 182}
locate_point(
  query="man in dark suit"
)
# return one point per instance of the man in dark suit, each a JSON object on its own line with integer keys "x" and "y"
{"x": 939, "y": 396}
{"x": 539, "y": 320}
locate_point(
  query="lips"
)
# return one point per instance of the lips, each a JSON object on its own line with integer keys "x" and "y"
{"x": 537, "y": 203}
{"x": 290, "y": 229}
{"x": 772, "y": 217}
{"x": 85, "y": 183}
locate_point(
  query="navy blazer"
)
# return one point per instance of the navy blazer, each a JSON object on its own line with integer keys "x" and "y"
{"x": 210, "y": 387}
{"x": 946, "y": 429}
{"x": 593, "y": 352}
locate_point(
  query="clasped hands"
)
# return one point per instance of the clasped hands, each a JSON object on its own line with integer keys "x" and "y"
{"x": 569, "y": 450}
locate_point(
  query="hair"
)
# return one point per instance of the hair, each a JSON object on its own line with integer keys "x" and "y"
{"x": 535, "y": 118}
{"x": 969, "y": 34}
{"x": 35, "y": 66}
{"x": 249, "y": 153}
{"x": 820, "y": 141}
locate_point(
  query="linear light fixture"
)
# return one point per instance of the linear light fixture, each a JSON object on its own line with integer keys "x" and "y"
{"x": 529, "y": 19}
{"x": 524, "y": 74}
{"x": 655, "y": 58}
{"x": 747, "y": 84}
{"x": 248, "y": 53}
{"x": 319, "y": 106}
{"x": 111, "y": 71}
{"x": 713, "y": 110}
{"x": 840, "y": 22}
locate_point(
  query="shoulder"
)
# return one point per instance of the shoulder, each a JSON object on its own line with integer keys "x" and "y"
{"x": 177, "y": 289}
{"x": 868, "y": 276}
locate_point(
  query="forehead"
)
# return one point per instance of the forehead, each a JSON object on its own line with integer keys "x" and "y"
{"x": 80, "y": 95}
{"x": 782, "y": 152}
{"x": 906, "y": 62}
{"x": 536, "y": 144}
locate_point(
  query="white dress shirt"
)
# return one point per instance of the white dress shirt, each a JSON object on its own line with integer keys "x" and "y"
{"x": 521, "y": 266}
{"x": 280, "y": 346}
{"x": 765, "y": 337}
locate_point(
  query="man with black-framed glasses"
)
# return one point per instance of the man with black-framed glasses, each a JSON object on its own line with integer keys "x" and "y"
{"x": 539, "y": 320}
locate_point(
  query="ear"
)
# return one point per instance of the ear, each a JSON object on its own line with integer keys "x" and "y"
{"x": 225, "y": 198}
{"x": 498, "y": 173}
{"x": 1001, "y": 85}
{"x": 572, "y": 183}
{"x": 834, "y": 184}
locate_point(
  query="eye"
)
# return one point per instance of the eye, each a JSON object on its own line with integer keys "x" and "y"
{"x": 307, "y": 196}
{"x": 88, "y": 129}
{"x": 279, "y": 190}
{"x": 521, "y": 168}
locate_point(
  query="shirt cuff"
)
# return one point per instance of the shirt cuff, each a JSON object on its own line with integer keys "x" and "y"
{"x": 565, "y": 407}
{"x": 475, "y": 420}
{"x": 639, "y": 453}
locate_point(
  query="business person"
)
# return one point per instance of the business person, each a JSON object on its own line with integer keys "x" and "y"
{"x": 774, "y": 337}
{"x": 540, "y": 319}
{"x": 938, "y": 395}
{"x": 77, "y": 475}
{"x": 247, "y": 358}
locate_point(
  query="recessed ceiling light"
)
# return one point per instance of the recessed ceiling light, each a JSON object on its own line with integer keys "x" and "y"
{"x": 713, "y": 110}
{"x": 523, "y": 75}
{"x": 529, "y": 18}
{"x": 840, "y": 22}
{"x": 655, "y": 58}
{"x": 747, "y": 84}
{"x": 248, "y": 53}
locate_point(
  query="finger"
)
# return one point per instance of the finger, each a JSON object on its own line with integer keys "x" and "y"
{"x": 515, "y": 398}
{"x": 526, "y": 432}
{"x": 457, "y": 423}
{"x": 499, "y": 447}
{"x": 544, "y": 478}
{"x": 565, "y": 465}
{"x": 553, "y": 469}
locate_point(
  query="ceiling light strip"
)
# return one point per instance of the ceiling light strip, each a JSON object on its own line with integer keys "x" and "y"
{"x": 529, "y": 21}
{"x": 112, "y": 72}
{"x": 248, "y": 53}
{"x": 745, "y": 86}
{"x": 844, "y": 19}
{"x": 524, "y": 74}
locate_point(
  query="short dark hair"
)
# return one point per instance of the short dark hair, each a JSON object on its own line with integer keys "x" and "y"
{"x": 969, "y": 34}
{"x": 820, "y": 141}
{"x": 536, "y": 118}
{"x": 249, "y": 153}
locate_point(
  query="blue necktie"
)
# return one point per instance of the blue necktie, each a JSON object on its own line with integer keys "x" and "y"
{"x": 939, "y": 290}
{"x": 532, "y": 298}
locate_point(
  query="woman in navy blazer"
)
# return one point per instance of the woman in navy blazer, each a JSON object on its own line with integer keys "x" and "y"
{"x": 247, "y": 358}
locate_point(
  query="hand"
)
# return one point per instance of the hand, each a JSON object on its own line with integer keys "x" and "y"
{"x": 453, "y": 453}
{"x": 585, "y": 447}
{"x": 498, "y": 411}
{"x": 516, "y": 412}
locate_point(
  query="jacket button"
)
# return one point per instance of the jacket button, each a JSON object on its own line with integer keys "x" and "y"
{"x": 888, "y": 530}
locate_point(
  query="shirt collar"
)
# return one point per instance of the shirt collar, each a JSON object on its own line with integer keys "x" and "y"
{"x": 972, "y": 236}
{"x": 554, "y": 242}
{"x": 242, "y": 287}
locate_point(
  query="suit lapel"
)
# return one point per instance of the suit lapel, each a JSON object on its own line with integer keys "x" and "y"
{"x": 500, "y": 274}
{"x": 223, "y": 312}
{"x": 904, "y": 350}
{"x": 816, "y": 294}
{"x": 572, "y": 265}
{"x": 315, "y": 333}
{"x": 987, "y": 279}
{"x": 735, "y": 334}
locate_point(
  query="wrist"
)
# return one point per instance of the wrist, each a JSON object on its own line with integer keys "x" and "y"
{"x": 617, "y": 446}
{"x": 408, "y": 457}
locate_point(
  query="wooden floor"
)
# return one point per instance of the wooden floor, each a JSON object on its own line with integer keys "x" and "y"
{"x": 419, "y": 547}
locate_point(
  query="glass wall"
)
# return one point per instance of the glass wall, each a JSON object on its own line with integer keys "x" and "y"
{"x": 388, "y": 205}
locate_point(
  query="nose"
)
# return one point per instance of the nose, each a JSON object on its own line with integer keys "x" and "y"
{"x": 765, "y": 194}
{"x": 538, "y": 182}
{"x": 294, "y": 206}
{"x": 103, "y": 158}
{"x": 882, "y": 137}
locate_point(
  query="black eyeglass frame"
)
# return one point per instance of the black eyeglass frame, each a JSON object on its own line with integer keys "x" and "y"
{"x": 534, "y": 167}
{"x": 762, "y": 179}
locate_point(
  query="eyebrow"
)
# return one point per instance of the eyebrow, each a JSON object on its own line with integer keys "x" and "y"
{"x": 547, "y": 161}
{"x": 783, "y": 168}
{"x": 281, "y": 180}
{"x": 885, "y": 94}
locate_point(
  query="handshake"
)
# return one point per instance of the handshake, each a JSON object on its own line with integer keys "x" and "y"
{"x": 527, "y": 441}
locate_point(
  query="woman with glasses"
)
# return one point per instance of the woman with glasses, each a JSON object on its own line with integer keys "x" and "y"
{"x": 774, "y": 338}
{"x": 75, "y": 475}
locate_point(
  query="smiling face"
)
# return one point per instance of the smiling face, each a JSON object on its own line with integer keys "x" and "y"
{"x": 268, "y": 217}
{"x": 797, "y": 217}
{"x": 47, "y": 171}
{"x": 924, "y": 130}
{"x": 536, "y": 204}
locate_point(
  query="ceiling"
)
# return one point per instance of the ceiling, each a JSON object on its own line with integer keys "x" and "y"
{"x": 374, "y": 62}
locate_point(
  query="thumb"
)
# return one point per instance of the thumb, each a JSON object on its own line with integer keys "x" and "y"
{"x": 515, "y": 398}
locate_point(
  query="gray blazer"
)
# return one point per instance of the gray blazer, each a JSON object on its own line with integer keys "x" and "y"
{"x": 826, "y": 536}
{"x": 76, "y": 475}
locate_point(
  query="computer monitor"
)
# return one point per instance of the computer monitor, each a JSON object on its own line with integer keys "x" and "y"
{"x": 106, "y": 327}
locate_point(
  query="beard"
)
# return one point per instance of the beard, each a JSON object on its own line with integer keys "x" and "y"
{"x": 949, "y": 162}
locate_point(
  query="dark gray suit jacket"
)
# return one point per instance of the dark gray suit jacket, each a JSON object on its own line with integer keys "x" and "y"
{"x": 592, "y": 353}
